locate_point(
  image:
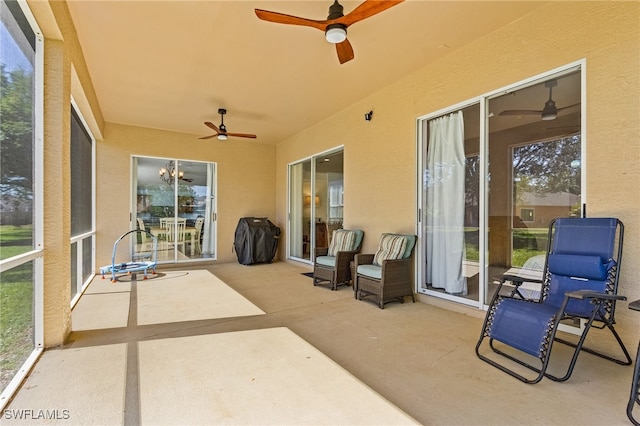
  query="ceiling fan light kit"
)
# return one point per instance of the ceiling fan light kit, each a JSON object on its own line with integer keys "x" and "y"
{"x": 549, "y": 112}
{"x": 336, "y": 24}
{"x": 221, "y": 132}
{"x": 336, "y": 34}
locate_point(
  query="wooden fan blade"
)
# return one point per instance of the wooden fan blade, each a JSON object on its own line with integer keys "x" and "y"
{"x": 241, "y": 135}
{"x": 345, "y": 51}
{"x": 212, "y": 126}
{"x": 281, "y": 18}
{"x": 568, "y": 106}
{"x": 366, "y": 9}
{"x": 520, "y": 112}
{"x": 208, "y": 137}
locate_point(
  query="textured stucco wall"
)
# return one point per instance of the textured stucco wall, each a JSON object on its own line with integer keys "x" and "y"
{"x": 380, "y": 156}
{"x": 57, "y": 193}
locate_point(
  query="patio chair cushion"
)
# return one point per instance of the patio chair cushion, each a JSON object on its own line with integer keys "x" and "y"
{"x": 359, "y": 237}
{"x": 391, "y": 247}
{"x": 326, "y": 261}
{"x": 369, "y": 270}
{"x": 342, "y": 240}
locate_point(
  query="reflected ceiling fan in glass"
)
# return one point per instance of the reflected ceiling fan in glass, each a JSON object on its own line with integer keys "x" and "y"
{"x": 550, "y": 110}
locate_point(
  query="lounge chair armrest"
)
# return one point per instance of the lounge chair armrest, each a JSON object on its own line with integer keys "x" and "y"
{"x": 364, "y": 259}
{"x": 518, "y": 280}
{"x": 590, "y": 294}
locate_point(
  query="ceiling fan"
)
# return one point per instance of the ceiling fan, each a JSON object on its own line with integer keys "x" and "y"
{"x": 335, "y": 26}
{"x": 549, "y": 112}
{"x": 221, "y": 132}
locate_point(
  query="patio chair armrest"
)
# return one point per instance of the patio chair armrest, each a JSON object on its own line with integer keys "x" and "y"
{"x": 589, "y": 294}
{"x": 322, "y": 251}
{"x": 393, "y": 266}
{"x": 344, "y": 258}
{"x": 364, "y": 259}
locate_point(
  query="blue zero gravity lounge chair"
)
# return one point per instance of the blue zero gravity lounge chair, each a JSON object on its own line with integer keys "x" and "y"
{"x": 580, "y": 281}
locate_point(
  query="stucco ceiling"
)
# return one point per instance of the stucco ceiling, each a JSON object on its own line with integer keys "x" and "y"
{"x": 171, "y": 64}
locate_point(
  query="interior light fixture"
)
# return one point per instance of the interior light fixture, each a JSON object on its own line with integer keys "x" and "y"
{"x": 168, "y": 173}
{"x": 336, "y": 33}
{"x": 307, "y": 200}
{"x": 222, "y": 137}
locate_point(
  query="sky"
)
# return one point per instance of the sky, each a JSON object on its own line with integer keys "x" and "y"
{"x": 10, "y": 55}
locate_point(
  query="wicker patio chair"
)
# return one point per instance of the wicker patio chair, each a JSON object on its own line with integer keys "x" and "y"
{"x": 386, "y": 274}
{"x": 332, "y": 264}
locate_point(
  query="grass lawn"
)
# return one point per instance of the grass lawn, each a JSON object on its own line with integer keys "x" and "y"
{"x": 16, "y": 303}
{"x": 15, "y": 240}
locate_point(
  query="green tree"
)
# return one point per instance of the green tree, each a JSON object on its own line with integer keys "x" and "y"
{"x": 549, "y": 167}
{"x": 16, "y": 133}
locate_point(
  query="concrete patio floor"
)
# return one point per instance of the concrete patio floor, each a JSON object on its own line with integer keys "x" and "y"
{"x": 234, "y": 344}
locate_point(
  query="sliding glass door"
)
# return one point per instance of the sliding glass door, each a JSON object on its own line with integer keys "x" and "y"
{"x": 316, "y": 203}
{"x": 495, "y": 172}
{"x": 175, "y": 201}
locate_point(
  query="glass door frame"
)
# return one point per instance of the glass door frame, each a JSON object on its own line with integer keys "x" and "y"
{"x": 312, "y": 207}
{"x": 208, "y": 247}
{"x": 483, "y": 101}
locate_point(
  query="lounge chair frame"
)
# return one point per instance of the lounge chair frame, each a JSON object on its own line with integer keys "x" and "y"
{"x": 634, "y": 396}
{"x": 602, "y": 316}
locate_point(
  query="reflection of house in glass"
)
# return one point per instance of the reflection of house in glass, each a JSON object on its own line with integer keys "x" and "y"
{"x": 537, "y": 211}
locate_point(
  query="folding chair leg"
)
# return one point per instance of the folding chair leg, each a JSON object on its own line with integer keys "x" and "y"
{"x": 634, "y": 397}
{"x": 579, "y": 347}
{"x": 510, "y": 372}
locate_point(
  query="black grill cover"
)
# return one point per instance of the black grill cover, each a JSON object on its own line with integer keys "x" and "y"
{"x": 256, "y": 240}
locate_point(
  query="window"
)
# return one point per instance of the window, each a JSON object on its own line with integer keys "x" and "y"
{"x": 82, "y": 205}
{"x": 21, "y": 248}
{"x": 336, "y": 204}
{"x": 527, "y": 215}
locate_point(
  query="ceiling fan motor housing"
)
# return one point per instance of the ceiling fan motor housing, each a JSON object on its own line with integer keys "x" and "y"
{"x": 335, "y": 11}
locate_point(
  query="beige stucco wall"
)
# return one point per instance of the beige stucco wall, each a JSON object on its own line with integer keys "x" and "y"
{"x": 245, "y": 176}
{"x": 380, "y": 155}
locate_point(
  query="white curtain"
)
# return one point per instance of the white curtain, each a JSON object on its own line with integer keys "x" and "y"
{"x": 444, "y": 182}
